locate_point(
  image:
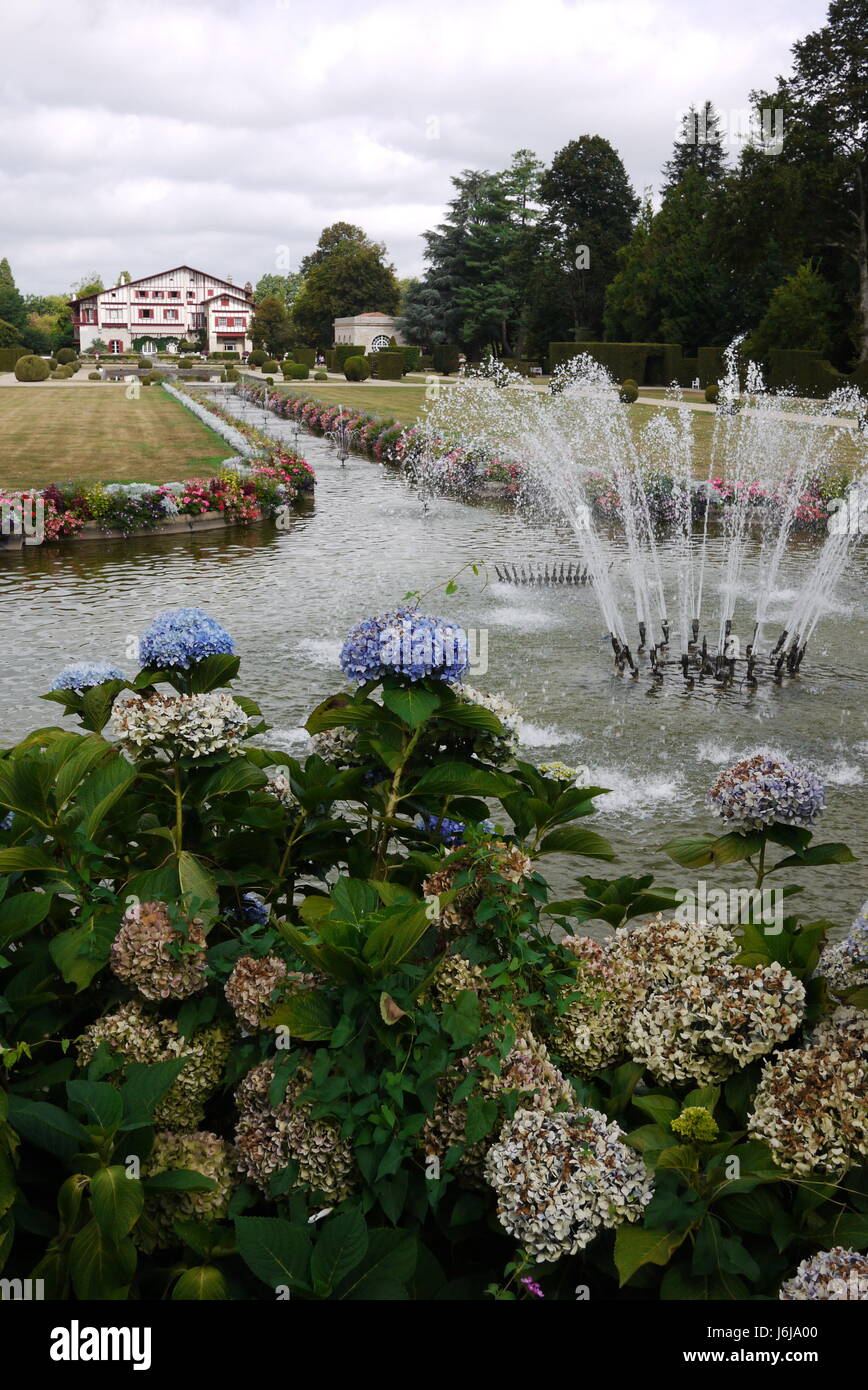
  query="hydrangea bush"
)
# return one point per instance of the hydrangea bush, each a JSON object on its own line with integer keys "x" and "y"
{"x": 339, "y": 987}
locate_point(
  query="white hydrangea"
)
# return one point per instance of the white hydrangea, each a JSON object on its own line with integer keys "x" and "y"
{"x": 560, "y": 1178}
{"x": 493, "y": 748}
{"x": 179, "y": 725}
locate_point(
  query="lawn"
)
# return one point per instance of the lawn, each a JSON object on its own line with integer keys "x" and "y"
{"x": 97, "y": 435}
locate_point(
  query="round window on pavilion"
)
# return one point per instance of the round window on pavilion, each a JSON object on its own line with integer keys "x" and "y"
{"x": 380, "y": 343}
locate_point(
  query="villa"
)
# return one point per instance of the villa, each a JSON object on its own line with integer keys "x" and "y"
{"x": 160, "y": 311}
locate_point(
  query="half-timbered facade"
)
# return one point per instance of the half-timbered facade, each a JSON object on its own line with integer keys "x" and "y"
{"x": 159, "y": 312}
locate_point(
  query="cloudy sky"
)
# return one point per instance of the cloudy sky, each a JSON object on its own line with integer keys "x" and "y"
{"x": 227, "y": 133}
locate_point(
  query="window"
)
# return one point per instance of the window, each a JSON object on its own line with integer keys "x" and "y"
{"x": 224, "y": 303}
{"x": 112, "y": 315}
{"x": 172, "y": 314}
{"x": 146, "y": 313}
{"x": 141, "y": 294}
{"x": 174, "y": 294}
{"x": 191, "y": 294}
{"x": 157, "y": 294}
{"x": 115, "y": 345}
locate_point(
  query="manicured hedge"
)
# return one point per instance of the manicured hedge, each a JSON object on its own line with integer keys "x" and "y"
{"x": 710, "y": 365}
{"x": 295, "y": 371}
{"x": 305, "y": 355}
{"x": 269, "y": 365}
{"x": 446, "y": 357}
{"x": 388, "y": 366}
{"x": 344, "y": 350}
{"x": 412, "y": 356}
{"x": 648, "y": 364}
{"x": 808, "y": 374}
{"x": 224, "y": 356}
{"x": 10, "y": 355}
{"x": 64, "y": 355}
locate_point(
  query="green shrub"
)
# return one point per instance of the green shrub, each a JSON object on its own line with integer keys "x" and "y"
{"x": 629, "y": 392}
{"x": 388, "y": 366}
{"x": 648, "y": 364}
{"x": 10, "y": 355}
{"x": 231, "y": 374}
{"x": 31, "y": 368}
{"x": 295, "y": 371}
{"x": 710, "y": 365}
{"x": 411, "y": 355}
{"x": 151, "y": 378}
{"x": 269, "y": 365}
{"x": 357, "y": 369}
{"x": 712, "y": 392}
{"x": 94, "y": 376}
{"x": 66, "y": 354}
{"x": 53, "y": 363}
{"x": 257, "y": 357}
{"x": 305, "y": 355}
{"x": 345, "y": 350}
{"x": 269, "y": 381}
{"x": 445, "y": 358}
{"x": 320, "y": 376}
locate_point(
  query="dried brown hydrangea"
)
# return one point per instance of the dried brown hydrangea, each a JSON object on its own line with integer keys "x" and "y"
{"x": 592, "y": 1031}
{"x": 702, "y": 1028}
{"x": 251, "y": 986}
{"x": 136, "y": 1035}
{"x": 811, "y": 1106}
{"x": 156, "y": 957}
{"x": 507, "y": 862}
{"x": 526, "y": 1070}
{"x": 268, "y": 1137}
{"x": 560, "y": 1178}
{"x": 197, "y": 1151}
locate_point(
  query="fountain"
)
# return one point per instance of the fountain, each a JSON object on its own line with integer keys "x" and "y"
{"x": 577, "y": 443}
{"x": 339, "y": 437}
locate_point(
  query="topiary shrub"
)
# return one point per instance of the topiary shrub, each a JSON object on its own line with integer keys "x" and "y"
{"x": 53, "y": 363}
{"x": 65, "y": 355}
{"x": 257, "y": 357}
{"x": 629, "y": 391}
{"x": 304, "y": 354}
{"x": 320, "y": 376}
{"x": 31, "y": 368}
{"x": 357, "y": 369}
{"x": 94, "y": 376}
{"x": 295, "y": 371}
{"x": 445, "y": 358}
{"x": 269, "y": 365}
{"x": 389, "y": 366}
{"x": 711, "y": 393}
{"x": 69, "y": 368}
{"x": 269, "y": 381}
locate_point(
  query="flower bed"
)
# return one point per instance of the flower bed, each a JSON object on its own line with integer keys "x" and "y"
{"x": 458, "y": 471}
{"x": 301, "y": 1027}
{"x": 241, "y": 493}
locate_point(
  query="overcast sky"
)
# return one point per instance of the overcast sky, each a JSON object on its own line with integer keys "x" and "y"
{"x": 227, "y": 134}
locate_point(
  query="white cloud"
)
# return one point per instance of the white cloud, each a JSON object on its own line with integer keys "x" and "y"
{"x": 217, "y": 132}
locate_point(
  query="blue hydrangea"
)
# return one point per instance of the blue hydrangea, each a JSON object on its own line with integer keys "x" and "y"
{"x": 765, "y": 790}
{"x": 253, "y": 910}
{"x": 181, "y": 636}
{"x": 407, "y": 643}
{"x": 451, "y": 832}
{"x": 6, "y": 822}
{"x": 82, "y": 675}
